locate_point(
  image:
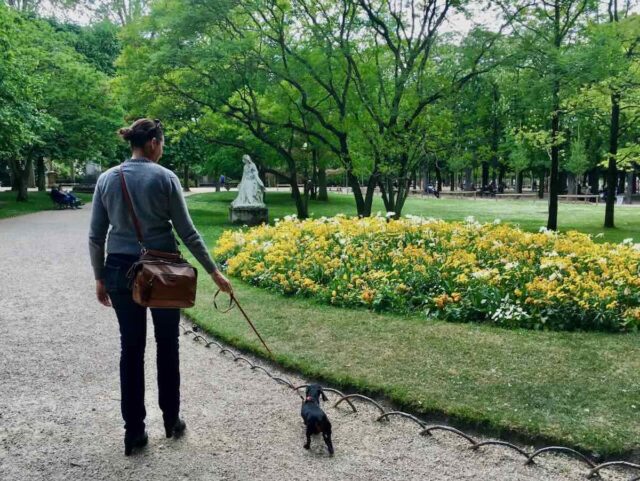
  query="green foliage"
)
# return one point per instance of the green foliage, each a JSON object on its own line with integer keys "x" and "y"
{"x": 578, "y": 163}
{"x": 54, "y": 102}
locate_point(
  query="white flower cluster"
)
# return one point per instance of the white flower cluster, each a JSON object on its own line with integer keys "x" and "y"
{"x": 238, "y": 238}
{"x": 482, "y": 274}
{"x": 419, "y": 220}
{"x": 509, "y": 312}
{"x": 547, "y": 232}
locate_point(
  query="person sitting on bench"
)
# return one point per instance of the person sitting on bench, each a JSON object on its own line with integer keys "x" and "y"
{"x": 64, "y": 198}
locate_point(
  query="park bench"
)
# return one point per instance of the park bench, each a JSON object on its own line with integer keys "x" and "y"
{"x": 460, "y": 193}
{"x": 84, "y": 188}
{"x": 580, "y": 198}
{"x": 231, "y": 184}
{"x": 516, "y": 195}
{"x": 288, "y": 187}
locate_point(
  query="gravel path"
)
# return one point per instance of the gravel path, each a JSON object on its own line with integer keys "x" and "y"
{"x": 59, "y": 395}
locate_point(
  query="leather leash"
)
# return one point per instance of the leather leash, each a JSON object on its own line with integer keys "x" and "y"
{"x": 233, "y": 301}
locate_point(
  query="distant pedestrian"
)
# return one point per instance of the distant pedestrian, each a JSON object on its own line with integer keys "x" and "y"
{"x": 222, "y": 180}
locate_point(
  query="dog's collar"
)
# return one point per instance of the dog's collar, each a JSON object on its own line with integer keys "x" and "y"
{"x": 309, "y": 399}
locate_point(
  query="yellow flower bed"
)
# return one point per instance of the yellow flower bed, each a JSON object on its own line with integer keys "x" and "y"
{"x": 460, "y": 271}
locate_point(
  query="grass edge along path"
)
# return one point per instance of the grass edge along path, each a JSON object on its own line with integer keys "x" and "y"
{"x": 575, "y": 389}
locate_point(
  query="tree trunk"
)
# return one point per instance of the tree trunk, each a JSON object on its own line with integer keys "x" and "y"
{"x": 185, "y": 179}
{"x": 353, "y": 182}
{"x": 594, "y": 181}
{"x": 541, "y": 179}
{"x": 371, "y": 187}
{"x": 384, "y": 194}
{"x": 467, "y": 178}
{"x": 322, "y": 184}
{"x": 453, "y": 181}
{"x": 627, "y": 192}
{"x": 403, "y": 193}
{"x": 485, "y": 174}
{"x": 572, "y": 185}
{"x": 612, "y": 172}
{"x": 301, "y": 201}
{"x": 552, "y": 222}
{"x": 22, "y": 178}
{"x": 562, "y": 182}
{"x": 519, "y": 182}
{"x": 622, "y": 177}
{"x": 40, "y": 175}
{"x": 438, "y": 179}
{"x": 23, "y": 193}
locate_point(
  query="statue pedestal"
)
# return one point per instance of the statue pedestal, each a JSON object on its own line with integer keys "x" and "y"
{"x": 248, "y": 215}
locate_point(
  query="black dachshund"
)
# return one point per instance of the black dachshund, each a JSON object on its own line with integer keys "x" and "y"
{"x": 315, "y": 418}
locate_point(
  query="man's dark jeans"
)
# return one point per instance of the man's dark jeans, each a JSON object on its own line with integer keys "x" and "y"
{"x": 133, "y": 334}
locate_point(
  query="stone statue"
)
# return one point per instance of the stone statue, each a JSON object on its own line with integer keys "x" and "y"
{"x": 248, "y": 207}
{"x": 251, "y": 189}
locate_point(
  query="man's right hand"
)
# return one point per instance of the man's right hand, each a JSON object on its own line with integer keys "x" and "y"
{"x": 222, "y": 282}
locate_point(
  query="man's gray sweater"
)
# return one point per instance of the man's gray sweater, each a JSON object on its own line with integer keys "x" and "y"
{"x": 158, "y": 203}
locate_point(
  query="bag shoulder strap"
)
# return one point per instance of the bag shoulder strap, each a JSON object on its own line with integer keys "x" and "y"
{"x": 134, "y": 218}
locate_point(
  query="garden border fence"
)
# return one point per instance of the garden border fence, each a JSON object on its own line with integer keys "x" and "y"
{"x": 425, "y": 429}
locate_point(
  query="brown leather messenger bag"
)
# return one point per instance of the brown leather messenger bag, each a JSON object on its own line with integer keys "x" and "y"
{"x": 159, "y": 278}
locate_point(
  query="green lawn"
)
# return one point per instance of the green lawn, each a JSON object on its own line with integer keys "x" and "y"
{"x": 576, "y": 389}
{"x": 37, "y": 201}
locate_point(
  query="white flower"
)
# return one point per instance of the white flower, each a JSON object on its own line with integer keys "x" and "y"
{"x": 599, "y": 235}
{"x": 542, "y": 229}
{"x": 482, "y": 274}
{"x": 511, "y": 265}
{"x": 496, "y": 221}
{"x": 390, "y": 214}
{"x": 470, "y": 219}
{"x": 238, "y": 238}
{"x": 628, "y": 241}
